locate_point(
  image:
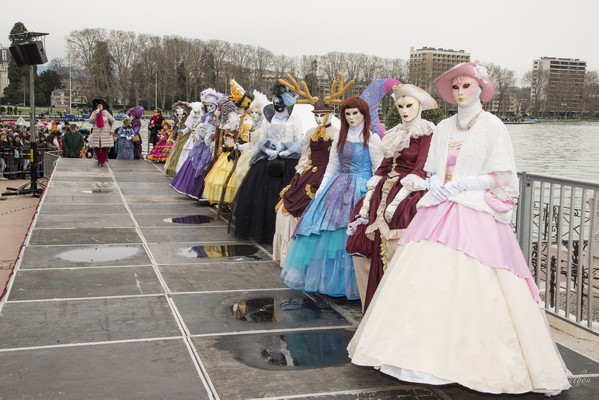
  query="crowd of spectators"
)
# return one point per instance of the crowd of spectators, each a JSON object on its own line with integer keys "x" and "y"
{"x": 64, "y": 139}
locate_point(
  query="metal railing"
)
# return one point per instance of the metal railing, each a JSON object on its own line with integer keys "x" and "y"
{"x": 557, "y": 228}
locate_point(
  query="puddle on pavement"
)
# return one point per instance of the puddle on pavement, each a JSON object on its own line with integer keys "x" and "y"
{"x": 190, "y": 219}
{"x": 99, "y": 254}
{"x": 216, "y": 251}
{"x": 284, "y": 309}
{"x": 298, "y": 350}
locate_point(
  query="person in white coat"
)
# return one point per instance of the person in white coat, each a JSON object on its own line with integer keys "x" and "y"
{"x": 457, "y": 303}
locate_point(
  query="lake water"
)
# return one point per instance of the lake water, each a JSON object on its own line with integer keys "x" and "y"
{"x": 560, "y": 149}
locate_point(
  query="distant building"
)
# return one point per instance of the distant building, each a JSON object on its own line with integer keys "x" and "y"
{"x": 4, "y": 58}
{"x": 60, "y": 98}
{"x": 428, "y": 63}
{"x": 557, "y": 86}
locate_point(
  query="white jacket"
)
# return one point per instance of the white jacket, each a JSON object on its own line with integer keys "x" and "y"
{"x": 488, "y": 148}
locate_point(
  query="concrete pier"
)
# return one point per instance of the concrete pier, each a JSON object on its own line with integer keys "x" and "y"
{"x": 128, "y": 290}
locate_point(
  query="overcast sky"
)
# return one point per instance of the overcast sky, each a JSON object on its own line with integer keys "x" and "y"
{"x": 510, "y": 33}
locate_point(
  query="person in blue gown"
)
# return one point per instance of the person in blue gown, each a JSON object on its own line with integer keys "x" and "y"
{"x": 317, "y": 260}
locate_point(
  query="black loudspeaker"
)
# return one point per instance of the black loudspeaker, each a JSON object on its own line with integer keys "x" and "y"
{"x": 32, "y": 53}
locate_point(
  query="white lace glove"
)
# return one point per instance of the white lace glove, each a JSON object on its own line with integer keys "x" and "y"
{"x": 435, "y": 185}
{"x": 365, "y": 209}
{"x": 272, "y": 154}
{"x": 414, "y": 183}
{"x": 372, "y": 182}
{"x": 285, "y": 153}
{"x": 392, "y": 207}
{"x": 243, "y": 147}
{"x": 208, "y": 139}
{"x": 480, "y": 182}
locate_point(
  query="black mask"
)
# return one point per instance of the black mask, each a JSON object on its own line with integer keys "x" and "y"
{"x": 278, "y": 104}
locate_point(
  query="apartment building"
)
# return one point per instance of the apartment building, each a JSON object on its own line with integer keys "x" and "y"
{"x": 4, "y": 58}
{"x": 428, "y": 63}
{"x": 557, "y": 86}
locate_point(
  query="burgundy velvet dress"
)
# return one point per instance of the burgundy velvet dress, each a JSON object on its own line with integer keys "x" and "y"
{"x": 303, "y": 187}
{"x": 369, "y": 240}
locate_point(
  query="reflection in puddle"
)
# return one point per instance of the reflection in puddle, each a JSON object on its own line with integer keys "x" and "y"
{"x": 190, "y": 219}
{"x": 99, "y": 254}
{"x": 302, "y": 350}
{"x": 215, "y": 251}
{"x": 283, "y": 309}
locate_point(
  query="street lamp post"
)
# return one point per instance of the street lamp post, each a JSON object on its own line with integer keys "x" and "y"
{"x": 70, "y": 89}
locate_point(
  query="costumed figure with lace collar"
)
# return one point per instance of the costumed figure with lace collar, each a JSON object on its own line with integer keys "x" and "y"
{"x": 189, "y": 180}
{"x": 163, "y": 146}
{"x": 457, "y": 303}
{"x": 317, "y": 260}
{"x": 272, "y": 166}
{"x": 312, "y": 165}
{"x": 379, "y": 219}
{"x": 191, "y": 125}
{"x": 180, "y": 110}
{"x": 136, "y": 113}
{"x": 232, "y": 124}
{"x": 245, "y": 144}
{"x": 124, "y": 137}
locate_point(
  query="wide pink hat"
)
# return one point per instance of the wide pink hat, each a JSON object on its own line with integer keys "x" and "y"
{"x": 477, "y": 72}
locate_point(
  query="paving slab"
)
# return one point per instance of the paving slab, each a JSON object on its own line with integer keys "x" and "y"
{"x": 222, "y": 276}
{"x": 244, "y": 311}
{"x": 88, "y": 199}
{"x": 83, "y": 256}
{"x": 171, "y": 253}
{"x": 62, "y": 186}
{"x": 187, "y": 206}
{"x": 149, "y": 199}
{"x": 216, "y": 233}
{"x": 83, "y": 209}
{"x": 141, "y": 177}
{"x": 132, "y": 371}
{"x": 84, "y": 236}
{"x": 84, "y": 282}
{"x": 254, "y": 360}
{"x": 28, "y": 324}
{"x": 61, "y": 176}
{"x": 83, "y": 221}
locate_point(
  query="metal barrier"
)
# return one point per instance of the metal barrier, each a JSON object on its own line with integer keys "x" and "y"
{"x": 17, "y": 164}
{"x": 557, "y": 228}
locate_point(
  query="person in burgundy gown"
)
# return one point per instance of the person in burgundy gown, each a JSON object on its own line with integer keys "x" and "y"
{"x": 397, "y": 185}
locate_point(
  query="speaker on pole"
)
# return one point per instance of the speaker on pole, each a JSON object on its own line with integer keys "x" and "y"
{"x": 31, "y": 53}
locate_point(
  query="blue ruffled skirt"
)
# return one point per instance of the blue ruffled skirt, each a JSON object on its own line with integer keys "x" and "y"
{"x": 317, "y": 260}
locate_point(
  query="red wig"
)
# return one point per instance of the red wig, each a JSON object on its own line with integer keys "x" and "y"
{"x": 362, "y": 106}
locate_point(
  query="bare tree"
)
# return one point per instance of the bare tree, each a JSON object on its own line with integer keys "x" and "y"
{"x": 537, "y": 81}
{"x": 504, "y": 80}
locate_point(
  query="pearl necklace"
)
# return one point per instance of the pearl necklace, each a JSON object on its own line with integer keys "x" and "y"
{"x": 469, "y": 125}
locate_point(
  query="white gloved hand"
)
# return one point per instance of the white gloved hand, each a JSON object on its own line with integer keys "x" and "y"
{"x": 372, "y": 182}
{"x": 365, "y": 209}
{"x": 392, "y": 207}
{"x": 480, "y": 182}
{"x": 272, "y": 154}
{"x": 285, "y": 153}
{"x": 208, "y": 139}
{"x": 437, "y": 189}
